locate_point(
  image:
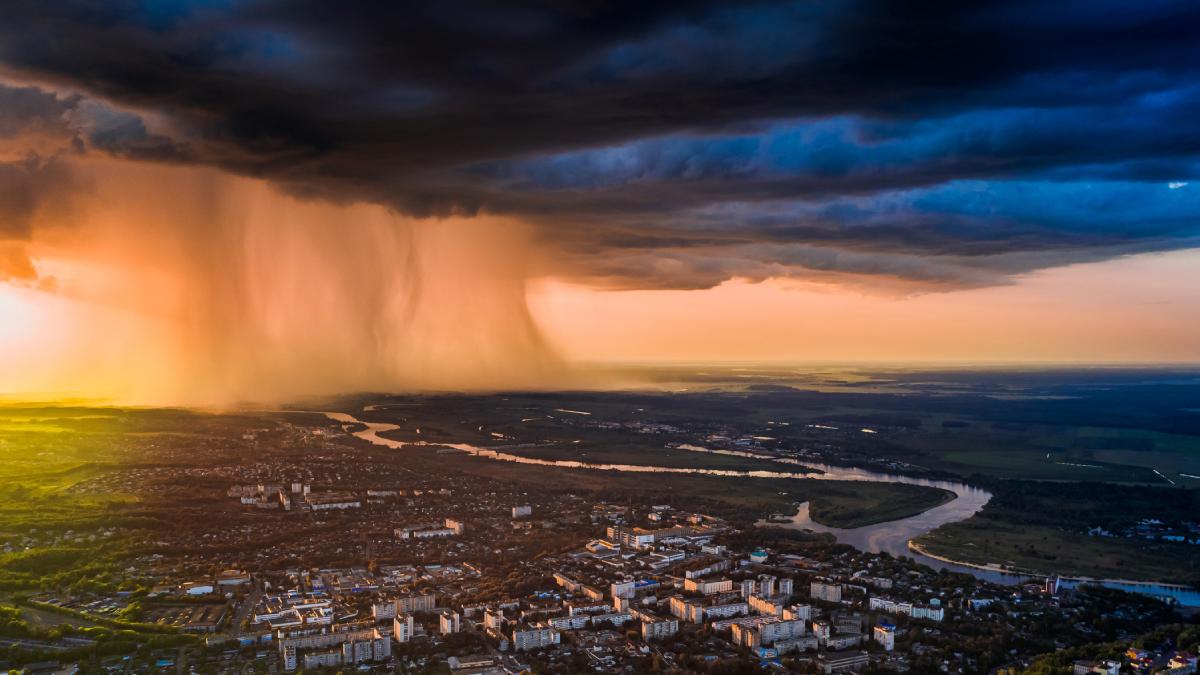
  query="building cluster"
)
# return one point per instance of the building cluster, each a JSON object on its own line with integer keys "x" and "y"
{"x": 387, "y": 567}
{"x": 931, "y": 612}
{"x": 673, "y": 587}
{"x": 300, "y": 496}
{"x": 658, "y": 579}
{"x": 1136, "y": 660}
{"x": 429, "y": 530}
{"x": 656, "y": 572}
{"x": 331, "y": 649}
{"x": 292, "y": 610}
{"x": 312, "y": 630}
{"x": 1153, "y": 529}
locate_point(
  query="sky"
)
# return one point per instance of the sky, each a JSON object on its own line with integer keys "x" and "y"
{"x": 249, "y": 199}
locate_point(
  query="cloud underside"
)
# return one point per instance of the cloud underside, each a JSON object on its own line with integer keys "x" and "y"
{"x": 652, "y": 145}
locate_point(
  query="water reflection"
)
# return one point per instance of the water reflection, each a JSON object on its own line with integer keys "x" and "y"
{"x": 374, "y": 429}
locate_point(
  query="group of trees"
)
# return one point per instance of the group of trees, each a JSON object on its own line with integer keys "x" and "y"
{"x": 1080, "y": 506}
{"x": 106, "y": 640}
{"x": 1184, "y": 637}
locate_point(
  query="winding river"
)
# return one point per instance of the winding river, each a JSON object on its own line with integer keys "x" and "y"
{"x": 892, "y": 537}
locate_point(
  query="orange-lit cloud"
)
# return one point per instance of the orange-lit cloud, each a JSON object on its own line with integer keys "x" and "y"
{"x": 187, "y": 285}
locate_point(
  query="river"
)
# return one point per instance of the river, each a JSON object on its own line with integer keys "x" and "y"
{"x": 892, "y": 536}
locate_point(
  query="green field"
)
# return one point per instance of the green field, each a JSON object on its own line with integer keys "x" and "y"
{"x": 42, "y": 458}
{"x": 1042, "y": 465}
{"x": 848, "y": 505}
{"x": 1047, "y": 550}
{"x": 1044, "y": 527}
{"x": 1044, "y": 452}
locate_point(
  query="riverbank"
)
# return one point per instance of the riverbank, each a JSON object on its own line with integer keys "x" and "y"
{"x": 665, "y": 457}
{"x": 1035, "y": 527}
{"x": 991, "y": 542}
{"x": 920, "y": 550}
{"x": 849, "y": 503}
{"x": 1186, "y": 596}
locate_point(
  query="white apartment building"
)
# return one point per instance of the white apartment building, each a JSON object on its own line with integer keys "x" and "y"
{"x": 885, "y": 635}
{"x": 786, "y": 586}
{"x": 708, "y": 587}
{"x": 493, "y": 619}
{"x": 411, "y": 604}
{"x": 826, "y": 592}
{"x": 659, "y": 628}
{"x": 796, "y": 644}
{"x": 800, "y": 612}
{"x": 766, "y": 585}
{"x": 926, "y": 612}
{"x": 767, "y": 606}
{"x": 449, "y": 622}
{"x": 615, "y": 619}
{"x": 570, "y": 622}
{"x": 402, "y": 628}
{"x": 534, "y": 637}
{"x": 383, "y": 611}
{"x": 623, "y": 589}
{"x": 724, "y": 611}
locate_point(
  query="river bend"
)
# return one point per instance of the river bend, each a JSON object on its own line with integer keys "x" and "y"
{"x": 892, "y": 536}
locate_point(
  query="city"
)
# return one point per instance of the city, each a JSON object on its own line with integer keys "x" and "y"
{"x": 549, "y": 337}
{"x": 292, "y": 544}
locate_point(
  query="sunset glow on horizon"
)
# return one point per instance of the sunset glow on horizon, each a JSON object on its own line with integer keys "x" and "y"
{"x": 1138, "y": 310}
{"x": 118, "y": 316}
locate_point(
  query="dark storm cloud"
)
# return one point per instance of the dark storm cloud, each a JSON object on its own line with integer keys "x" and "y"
{"x": 34, "y": 130}
{"x": 672, "y": 143}
{"x": 40, "y": 129}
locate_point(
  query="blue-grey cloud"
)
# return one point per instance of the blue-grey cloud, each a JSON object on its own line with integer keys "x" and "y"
{"x": 672, "y": 143}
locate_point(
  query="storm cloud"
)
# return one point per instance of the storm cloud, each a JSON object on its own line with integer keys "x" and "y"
{"x": 654, "y": 144}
